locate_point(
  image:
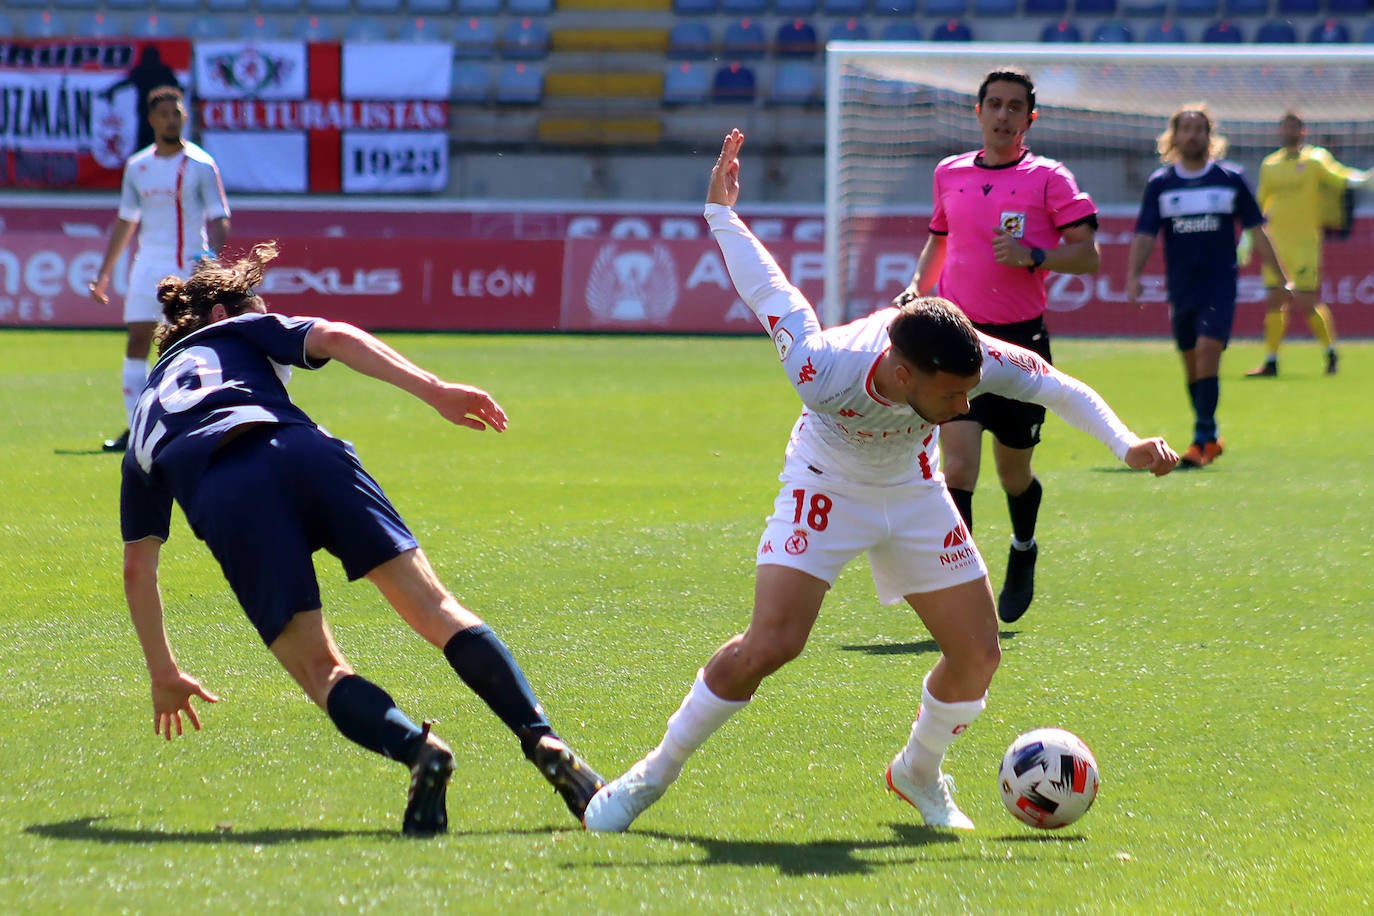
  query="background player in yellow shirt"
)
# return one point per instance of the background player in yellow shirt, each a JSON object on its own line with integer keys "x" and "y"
{"x": 1299, "y": 187}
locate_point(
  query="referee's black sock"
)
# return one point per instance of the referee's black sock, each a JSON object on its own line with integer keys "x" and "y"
{"x": 963, "y": 501}
{"x": 487, "y": 667}
{"x": 1025, "y": 509}
{"x": 366, "y": 714}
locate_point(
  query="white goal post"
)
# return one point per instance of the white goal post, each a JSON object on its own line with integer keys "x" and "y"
{"x": 894, "y": 110}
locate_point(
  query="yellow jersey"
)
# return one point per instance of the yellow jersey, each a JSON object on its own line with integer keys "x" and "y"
{"x": 1304, "y": 193}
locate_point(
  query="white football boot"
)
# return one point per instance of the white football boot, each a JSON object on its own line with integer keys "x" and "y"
{"x": 933, "y": 801}
{"x": 621, "y": 800}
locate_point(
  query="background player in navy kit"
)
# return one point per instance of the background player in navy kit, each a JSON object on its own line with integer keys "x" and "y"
{"x": 1196, "y": 200}
{"x": 265, "y": 487}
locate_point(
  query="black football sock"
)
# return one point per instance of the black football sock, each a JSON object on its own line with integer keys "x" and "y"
{"x": 1205, "y": 403}
{"x": 366, "y": 714}
{"x": 1025, "y": 509}
{"x": 487, "y": 667}
{"x": 963, "y": 501}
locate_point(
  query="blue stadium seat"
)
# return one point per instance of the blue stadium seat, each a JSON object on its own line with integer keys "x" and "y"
{"x": 379, "y": 7}
{"x": 430, "y": 7}
{"x": 140, "y": 5}
{"x": 525, "y": 39}
{"x": 471, "y": 83}
{"x": 207, "y": 28}
{"x": 796, "y": 38}
{"x": 227, "y": 6}
{"x": 1205, "y": 8}
{"x": 1367, "y": 36}
{"x": 848, "y": 30}
{"x": 1047, "y": 7}
{"x": 794, "y": 7}
{"x": 477, "y": 7}
{"x": 259, "y": 28}
{"x": 1348, "y": 7}
{"x": 686, "y": 83}
{"x": 1145, "y": 9}
{"x": 167, "y": 6}
{"x": 953, "y": 30}
{"x": 1329, "y": 31}
{"x": 316, "y": 6}
{"x": 743, "y": 38}
{"x": 1113, "y": 32}
{"x": 520, "y": 83}
{"x": 695, "y": 7}
{"x": 149, "y": 26}
{"x": 99, "y": 25}
{"x": 734, "y": 83}
{"x": 279, "y": 6}
{"x": 76, "y": 5}
{"x": 894, "y": 7}
{"x": 945, "y": 9}
{"x": 744, "y": 7}
{"x": 420, "y": 30}
{"x": 999, "y": 8}
{"x": 1298, "y": 7}
{"x": 1244, "y": 8}
{"x": 16, "y": 4}
{"x": 1094, "y": 7}
{"x": 794, "y": 83}
{"x": 474, "y": 38}
{"x": 1165, "y": 32}
{"x": 313, "y": 28}
{"x": 366, "y": 28}
{"x": 690, "y": 39}
{"x": 1276, "y": 32}
{"x": 844, "y": 7}
{"x": 1223, "y": 32}
{"x": 44, "y": 24}
{"x": 902, "y": 31}
{"x": 529, "y": 7}
{"x": 1061, "y": 31}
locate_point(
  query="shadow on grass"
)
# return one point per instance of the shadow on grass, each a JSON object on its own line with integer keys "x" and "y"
{"x": 91, "y": 829}
{"x": 919, "y": 647}
{"x": 81, "y": 451}
{"x": 816, "y": 857}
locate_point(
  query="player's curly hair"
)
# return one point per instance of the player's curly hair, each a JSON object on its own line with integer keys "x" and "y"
{"x": 1167, "y": 146}
{"x": 934, "y": 335}
{"x": 186, "y": 304}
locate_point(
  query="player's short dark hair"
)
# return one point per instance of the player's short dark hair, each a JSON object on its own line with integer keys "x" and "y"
{"x": 186, "y": 304}
{"x": 934, "y": 335}
{"x": 164, "y": 94}
{"x": 1009, "y": 76}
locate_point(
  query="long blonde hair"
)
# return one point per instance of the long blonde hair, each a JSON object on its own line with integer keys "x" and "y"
{"x": 1165, "y": 144}
{"x": 186, "y": 304}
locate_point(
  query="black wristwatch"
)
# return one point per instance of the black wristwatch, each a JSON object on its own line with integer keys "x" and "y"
{"x": 1037, "y": 258}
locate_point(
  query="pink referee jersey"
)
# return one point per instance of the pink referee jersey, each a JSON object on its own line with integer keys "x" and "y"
{"x": 1034, "y": 199}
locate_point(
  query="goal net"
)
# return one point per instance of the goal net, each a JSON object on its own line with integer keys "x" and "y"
{"x": 894, "y": 110}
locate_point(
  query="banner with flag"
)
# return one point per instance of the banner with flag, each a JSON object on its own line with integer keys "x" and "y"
{"x": 293, "y": 117}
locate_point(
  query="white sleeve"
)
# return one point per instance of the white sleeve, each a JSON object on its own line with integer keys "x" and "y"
{"x": 1014, "y": 372}
{"x": 780, "y": 307}
{"x": 130, "y": 208}
{"x": 212, "y": 192}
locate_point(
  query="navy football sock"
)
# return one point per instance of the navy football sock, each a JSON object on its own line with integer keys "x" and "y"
{"x": 1025, "y": 509}
{"x": 1205, "y": 400}
{"x": 963, "y": 501}
{"x": 487, "y": 667}
{"x": 366, "y": 714}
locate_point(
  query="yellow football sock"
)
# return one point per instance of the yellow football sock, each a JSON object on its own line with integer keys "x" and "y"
{"x": 1322, "y": 325}
{"x": 1275, "y": 324}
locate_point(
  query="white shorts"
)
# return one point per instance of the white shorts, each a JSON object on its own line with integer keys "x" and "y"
{"x": 140, "y": 304}
{"x": 915, "y": 540}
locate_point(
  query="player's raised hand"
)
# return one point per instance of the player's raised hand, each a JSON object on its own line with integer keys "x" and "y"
{"x": 172, "y": 697}
{"x": 724, "y": 188}
{"x": 1153, "y": 455}
{"x": 467, "y": 406}
{"x": 1006, "y": 249}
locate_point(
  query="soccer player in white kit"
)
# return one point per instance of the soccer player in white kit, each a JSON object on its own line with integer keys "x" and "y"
{"x": 172, "y": 194}
{"x": 862, "y": 475}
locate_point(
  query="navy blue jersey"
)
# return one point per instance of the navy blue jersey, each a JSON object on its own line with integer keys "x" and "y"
{"x": 226, "y": 375}
{"x": 1198, "y": 216}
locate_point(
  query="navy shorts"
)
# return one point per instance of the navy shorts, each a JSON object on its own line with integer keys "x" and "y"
{"x": 1015, "y": 424}
{"x": 271, "y": 498}
{"x": 1202, "y": 306}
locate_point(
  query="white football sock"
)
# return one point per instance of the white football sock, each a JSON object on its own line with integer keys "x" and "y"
{"x": 701, "y": 713}
{"x": 937, "y": 725}
{"x": 135, "y": 377}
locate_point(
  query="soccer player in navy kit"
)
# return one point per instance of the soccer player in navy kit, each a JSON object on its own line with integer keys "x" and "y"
{"x": 265, "y": 487}
{"x": 1196, "y": 200}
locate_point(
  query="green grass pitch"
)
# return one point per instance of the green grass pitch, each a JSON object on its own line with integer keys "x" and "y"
{"x": 1208, "y": 634}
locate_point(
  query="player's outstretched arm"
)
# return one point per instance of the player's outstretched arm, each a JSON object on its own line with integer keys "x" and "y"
{"x": 1153, "y": 455}
{"x": 462, "y": 405}
{"x": 172, "y": 688}
{"x": 724, "y": 186}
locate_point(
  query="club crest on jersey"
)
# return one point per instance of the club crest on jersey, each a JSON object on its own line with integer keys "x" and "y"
{"x": 1013, "y": 224}
{"x": 782, "y": 339}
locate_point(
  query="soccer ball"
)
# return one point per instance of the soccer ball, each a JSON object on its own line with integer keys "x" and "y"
{"x": 1048, "y": 778}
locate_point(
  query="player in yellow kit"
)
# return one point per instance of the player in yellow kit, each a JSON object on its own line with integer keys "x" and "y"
{"x": 1297, "y": 184}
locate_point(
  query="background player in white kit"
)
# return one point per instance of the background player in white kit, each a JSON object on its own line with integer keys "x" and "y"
{"x": 862, "y": 475}
{"x": 173, "y": 196}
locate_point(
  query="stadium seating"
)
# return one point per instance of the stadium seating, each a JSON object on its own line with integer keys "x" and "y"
{"x": 149, "y": 26}
{"x": 529, "y": 7}
{"x": 1298, "y": 7}
{"x": 894, "y": 7}
{"x": 378, "y": 7}
{"x": 420, "y": 29}
{"x": 734, "y": 83}
{"x": 260, "y": 28}
{"x": 525, "y": 39}
{"x": 1223, "y": 31}
{"x": 844, "y": 7}
{"x": 75, "y": 4}
{"x": 321, "y": 6}
{"x": 208, "y": 28}
{"x": 686, "y": 83}
{"x": 1367, "y": 36}
{"x": 796, "y": 38}
{"x": 794, "y": 83}
{"x": 366, "y": 28}
{"x": 1165, "y": 32}
{"x": 1047, "y": 8}
{"x": 1246, "y": 8}
{"x": 995, "y": 8}
{"x": 690, "y": 39}
{"x": 429, "y": 7}
{"x": 471, "y": 82}
{"x": 474, "y": 38}
{"x": 477, "y": 7}
{"x": 312, "y": 28}
{"x": 227, "y": 6}
{"x": 744, "y": 7}
{"x": 1276, "y": 32}
{"x": 695, "y": 7}
{"x": 1200, "y": 8}
{"x": 848, "y": 30}
{"x": 1095, "y": 7}
{"x": 141, "y": 6}
{"x": 1329, "y": 31}
{"x": 1061, "y": 31}
{"x": 44, "y": 24}
{"x": 901, "y": 30}
{"x": 520, "y": 83}
{"x": 945, "y": 9}
{"x": 743, "y": 39}
{"x": 99, "y": 25}
{"x": 953, "y": 30}
{"x": 1348, "y": 7}
{"x": 1114, "y": 32}
{"x": 794, "y": 7}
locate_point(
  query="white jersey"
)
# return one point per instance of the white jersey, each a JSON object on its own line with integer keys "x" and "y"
{"x": 847, "y": 430}
{"x": 171, "y": 198}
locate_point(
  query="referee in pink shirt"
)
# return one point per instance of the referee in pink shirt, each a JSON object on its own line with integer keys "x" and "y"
{"x": 1003, "y": 217}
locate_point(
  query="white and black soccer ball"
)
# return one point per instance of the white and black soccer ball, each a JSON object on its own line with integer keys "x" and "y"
{"x": 1048, "y": 778}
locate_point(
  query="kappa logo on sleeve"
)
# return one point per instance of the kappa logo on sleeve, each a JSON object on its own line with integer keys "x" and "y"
{"x": 807, "y": 374}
